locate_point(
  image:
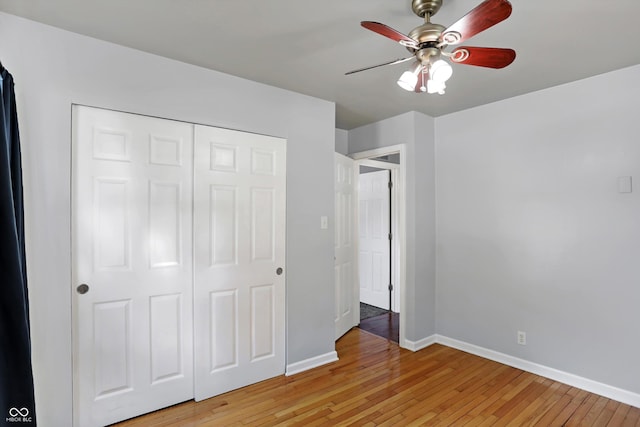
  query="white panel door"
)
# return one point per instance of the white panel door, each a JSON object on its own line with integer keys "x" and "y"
{"x": 373, "y": 211}
{"x": 347, "y": 309}
{"x": 132, "y": 246}
{"x": 239, "y": 223}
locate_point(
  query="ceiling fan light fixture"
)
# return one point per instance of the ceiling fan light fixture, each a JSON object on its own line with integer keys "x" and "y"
{"x": 434, "y": 86}
{"x": 440, "y": 71}
{"x": 409, "y": 79}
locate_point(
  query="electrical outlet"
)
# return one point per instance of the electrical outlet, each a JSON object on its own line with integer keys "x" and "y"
{"x": 522, "y": 338}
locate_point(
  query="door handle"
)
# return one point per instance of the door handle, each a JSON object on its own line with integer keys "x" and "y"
{"x": 83, "y": 289}
{"x": 279, "y": 271}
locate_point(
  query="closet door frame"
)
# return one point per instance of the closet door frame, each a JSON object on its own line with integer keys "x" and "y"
{"x": 144, "y": 201}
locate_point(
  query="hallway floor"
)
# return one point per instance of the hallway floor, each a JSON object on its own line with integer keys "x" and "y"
{"x": 386, "y": 325}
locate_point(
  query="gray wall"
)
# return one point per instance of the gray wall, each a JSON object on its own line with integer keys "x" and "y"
{"x": 416, "y": 131}
{"x": 342, "y": 141}
{"x": 533, "y": 234}
{"x": 54, "y": 69}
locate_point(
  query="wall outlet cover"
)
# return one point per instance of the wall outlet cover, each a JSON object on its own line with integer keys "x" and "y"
{"x": 522, "y": 338}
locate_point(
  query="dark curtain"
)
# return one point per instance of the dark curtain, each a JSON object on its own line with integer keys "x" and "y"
{"x": 17, "y": 406}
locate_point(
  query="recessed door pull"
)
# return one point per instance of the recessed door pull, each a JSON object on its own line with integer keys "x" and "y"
{"x": 83, "y": 289}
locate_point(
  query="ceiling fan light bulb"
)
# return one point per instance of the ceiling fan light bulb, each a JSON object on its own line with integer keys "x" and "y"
{"x": 434, "y": 86}
{"x": 408, "y": 81}
{"x": 440, "y": 71}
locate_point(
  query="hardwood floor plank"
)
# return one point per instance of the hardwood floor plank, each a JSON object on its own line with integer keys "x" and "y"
{"x": 582, "y": 410}
{"x": 395, "y": 415}
{"x": 543, "y": 404}
{"x": 507, "y": 392}
{"x": 489, "y": 421}
{"x": 472, "y": 422}
{"x": 632, "y": 418}
{"x": 573, "y": 405}
{"x": 596, "y": 410}
{"x": 516, "y": 404}
{"x": 472, "y": 396}
{"x": 618, "y": 417}
{"x": 496, "y": 390}
{"x": 555, "y": 414}
{"x": 376, "y": 383}
{"x": 607, "y": 413}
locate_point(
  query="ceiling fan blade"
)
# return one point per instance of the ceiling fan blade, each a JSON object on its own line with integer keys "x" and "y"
{"x": 389, "y": 32}
{"x": 395, "y": 61}
{"x": 485, "y": 15}
{"x": 490, "y": 57}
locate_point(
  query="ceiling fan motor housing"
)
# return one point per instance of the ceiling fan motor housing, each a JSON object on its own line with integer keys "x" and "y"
{"x": 427, "y": 36}
{"x": 427, "y": 32}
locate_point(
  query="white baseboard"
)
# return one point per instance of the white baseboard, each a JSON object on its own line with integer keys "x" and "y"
{"x": 314, "y": 362}
{"x": 420, "y": 344}
{"x": 591, "y": 386}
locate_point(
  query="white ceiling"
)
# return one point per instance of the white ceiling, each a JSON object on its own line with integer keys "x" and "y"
{"x": 307, "y": 46}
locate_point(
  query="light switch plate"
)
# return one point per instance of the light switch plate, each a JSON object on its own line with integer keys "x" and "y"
{"x": 624, "y": 184}
{"x": 324, "y": 222}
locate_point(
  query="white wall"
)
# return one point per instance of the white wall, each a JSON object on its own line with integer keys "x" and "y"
{"x": 52, "y": 70}
{"x": 532, "y": 233}
{"x": 416, "y": 130}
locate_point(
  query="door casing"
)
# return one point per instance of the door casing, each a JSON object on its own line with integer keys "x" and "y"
{"x": 399, "y": 221}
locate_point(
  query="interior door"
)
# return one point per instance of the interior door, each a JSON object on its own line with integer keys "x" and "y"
{"x": 132, "y": 264}
{"x": 239, "y": 219}
{"x": 347, "y": 310}
{"x": 374, "y": 261}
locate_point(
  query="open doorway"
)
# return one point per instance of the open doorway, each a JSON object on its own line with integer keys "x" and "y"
{"x": 381, "y": 241}
{"x": 379, "y": 310}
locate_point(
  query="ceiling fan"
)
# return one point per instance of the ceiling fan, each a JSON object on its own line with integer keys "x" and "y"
{"x": 428, "y": 41}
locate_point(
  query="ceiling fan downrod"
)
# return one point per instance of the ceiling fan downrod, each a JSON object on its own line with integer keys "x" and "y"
{"x": 428, "y": 33}
{"x": 426, "y": 8}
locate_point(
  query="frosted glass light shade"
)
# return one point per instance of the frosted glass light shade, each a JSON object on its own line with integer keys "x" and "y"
{"x": 440, "y": 71}
{"x": 408, "y": 80}
{"x": 434, "y": 86}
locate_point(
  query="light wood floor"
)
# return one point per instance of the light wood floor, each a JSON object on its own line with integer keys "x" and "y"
{"x": 376, "y": 383}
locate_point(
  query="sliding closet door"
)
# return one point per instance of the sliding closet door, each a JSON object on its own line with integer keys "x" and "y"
{"x": 132, "y": 264}
{"x": 239, "y": 223}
